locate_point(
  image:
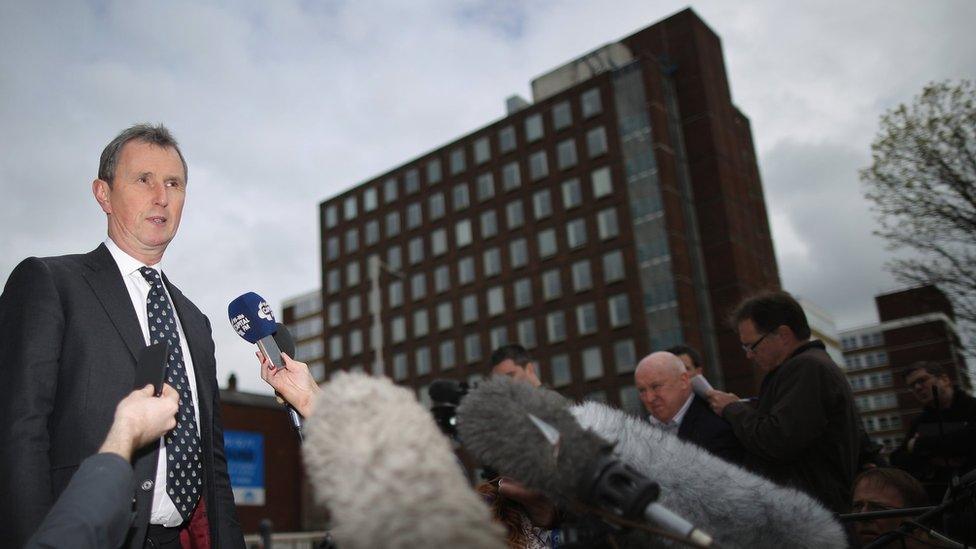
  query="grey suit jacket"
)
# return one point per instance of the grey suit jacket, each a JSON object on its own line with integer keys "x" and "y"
{"x": 69, "y": 339}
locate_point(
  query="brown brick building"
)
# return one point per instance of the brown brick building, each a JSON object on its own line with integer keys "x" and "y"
{"x": 618, "y": 213}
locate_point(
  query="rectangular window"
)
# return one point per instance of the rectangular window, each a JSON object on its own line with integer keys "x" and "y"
{"x": 333, "y": 281}
{"x": 572, "y": 197}
{"x": 399, "y": 367}
{"x": 582, "y": 278}
{"x": 349, "y": 208}
{"x": 482, "y": 150}
{"x": 586, "y": 319}
{"x": 533, "y": 127}
{"x": 514, "y": 214}
{"x": 576, "y": 233}
{"x": 411, "y": 181}
{"x": 613, "y": 266}
{"x": 447, "y": 355}
{"x": 602, "y": 184}
{"x": 398, "y": 329}
{"x": 422, "y": 360}
{"x": 619, "y": 307}
{"x": 493, "y": 262}
{"x": 486, "y": 186}
{"x": 498, "y": 336}
{"x": 372, "y": 231}
{"x": 395, "y": 294}
{"x": 458, "y": 164}
{"x": 370, "y": 201}
{"x": 442, "y": 279}
{"x": 566, "y": 154}
{"x": 331, "y": 216}
{"x": 489, "y": 224}
{"x": 354, "y": 307}
{"x": 590, "y": 103}
{"x": 466, "y": 270}
{"x": 542, "y": 204}
{"x": 438, "y": 242}
{"x": 472, "y": 348}
{"x": 556, "y": 327}
{"x": 352, "y": 274}
{"x": 596, "y": 142}
{"x": 469, "y": 309}
{"x": 445, "y": 316}
{"x": 592, "y": 363}
{"x": 462, "y": 233}
{"x": 552, "y": 286}
{"x": 355, "y": 342}
{"x": 523, "y": 293}
{"x": 606, "y": 223}
{"x": 434, "y": 171}
{"x": 538, "y": 165}
{"x": 334, "y": 314}
{"x": 461, "y": 197}
{"x": 415, "y": 250}
{"x": 394, "y": 258}
{"x": 511, "y": 176}
{"x": 506, "y": 139}
{"x": 421, "y": 324}
{"x": 332, "y": 248}
{"x": 496, "y": 301}
{"x": 414, "y": 216}
{"x": 624, "y": 356}
{"x": 547, "y": 243}
{"x": 561, "y": 375}
{"x": 418, "y": 286}
{"x": 335, "y": 347}
{"x": 392, "y": 224}
{"x": 390, "y": 190}
{"x": 562, "y": 115}
{"x": 352, "y": 241}
{"x": 526, "y": 333}
{"x": 519, "y": 250}
{"x": 435, "y": 206}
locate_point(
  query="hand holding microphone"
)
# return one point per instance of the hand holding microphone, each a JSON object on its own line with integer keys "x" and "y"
{"x": 293, "y": 382}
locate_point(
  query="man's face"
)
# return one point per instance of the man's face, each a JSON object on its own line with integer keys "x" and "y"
{"x": 509, "y": 368}
{"x": 662, "y": 390}
{"x": 690, "y": 366}
{"x": 765, "y": 349}
{"x": 921, "y": 383}
{"x": 145, "y": 202}
{"x": 871, "y": 496}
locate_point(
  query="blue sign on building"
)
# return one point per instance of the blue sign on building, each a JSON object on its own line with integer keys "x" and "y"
{"x": 245, "y": 464}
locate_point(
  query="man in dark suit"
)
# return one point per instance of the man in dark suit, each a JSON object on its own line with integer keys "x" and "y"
{"x": 665, "y": 390}
{"x": 71, "y": 328}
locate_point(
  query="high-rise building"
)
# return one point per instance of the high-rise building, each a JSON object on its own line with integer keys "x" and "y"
{"x": 618, "y": 213}
{"x": 917, "y": 324}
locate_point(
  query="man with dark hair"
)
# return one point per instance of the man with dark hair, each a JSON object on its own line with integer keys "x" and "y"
{"x": 515, "y": 362}
{"x": 804, "y": 430}
{"x": 942, "y": 440}
{"x": 71, "y": 328}
{"x": 689, "y": 357}
{"x": 881, "y": 489}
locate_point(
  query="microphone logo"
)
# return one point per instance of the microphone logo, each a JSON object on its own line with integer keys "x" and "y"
{"x": 264, "y": 311}
{"x": 241, "y": 324}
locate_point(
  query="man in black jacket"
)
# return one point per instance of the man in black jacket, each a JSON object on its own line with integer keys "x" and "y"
{"x": 942, "y": 440}
{"x": 804, "y": 431}
{"x": 665, "y": 390}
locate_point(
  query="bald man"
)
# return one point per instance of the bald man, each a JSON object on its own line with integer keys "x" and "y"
{"x": 664, "y": 387}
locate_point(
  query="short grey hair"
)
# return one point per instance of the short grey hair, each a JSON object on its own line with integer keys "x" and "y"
{"x": 157, "y": 135}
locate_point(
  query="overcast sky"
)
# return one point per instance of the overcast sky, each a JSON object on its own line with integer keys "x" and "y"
{"x": 279, "y": 105}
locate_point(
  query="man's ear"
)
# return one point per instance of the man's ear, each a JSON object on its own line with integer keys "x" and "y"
{"x": 530, "y": 368}
{"x": 103, "y": 194}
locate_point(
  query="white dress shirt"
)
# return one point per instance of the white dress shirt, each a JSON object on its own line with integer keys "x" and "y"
{"x": 163, "y": 511}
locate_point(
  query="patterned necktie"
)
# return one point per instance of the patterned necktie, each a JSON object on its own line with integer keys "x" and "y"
{"x": 184, "y": 469}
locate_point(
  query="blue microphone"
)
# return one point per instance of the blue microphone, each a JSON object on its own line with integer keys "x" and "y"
{"x": 252, "y": 319}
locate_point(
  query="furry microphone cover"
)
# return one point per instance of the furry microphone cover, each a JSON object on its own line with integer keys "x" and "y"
{"x": 388, "y": 476}
{"x": 738, "y": 508}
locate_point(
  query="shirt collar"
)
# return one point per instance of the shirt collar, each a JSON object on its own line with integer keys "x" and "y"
{"x": 127, "y": 264}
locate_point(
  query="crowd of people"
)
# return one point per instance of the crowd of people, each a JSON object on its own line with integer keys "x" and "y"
{"x": 90, "y": 463}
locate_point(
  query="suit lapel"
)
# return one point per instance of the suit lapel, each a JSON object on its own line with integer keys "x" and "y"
{"x": 106, "y": 282}
{"x": 691, "y": 416}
